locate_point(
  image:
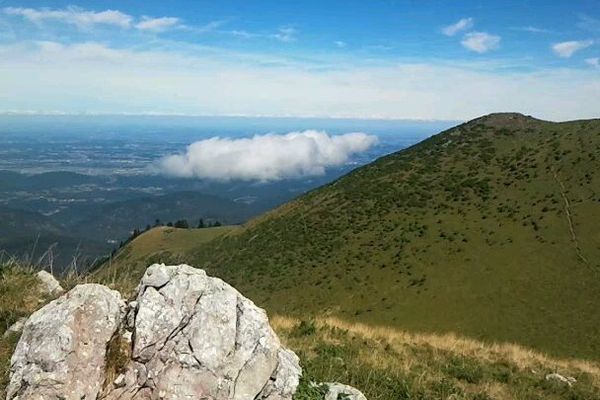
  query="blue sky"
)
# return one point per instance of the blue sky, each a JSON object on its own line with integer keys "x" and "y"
{"x": 363, "y": 59}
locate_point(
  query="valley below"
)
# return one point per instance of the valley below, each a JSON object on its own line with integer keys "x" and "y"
{"x": 464, "y": 266}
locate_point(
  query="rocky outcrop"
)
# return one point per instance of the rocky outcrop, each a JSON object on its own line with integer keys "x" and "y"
{"x": 48, "y": 283}
{"x": 340, "y": 391}
{"x": 197, "y": 337}
{"x": 62, "y": 351}
{"x": 192, "y": 336}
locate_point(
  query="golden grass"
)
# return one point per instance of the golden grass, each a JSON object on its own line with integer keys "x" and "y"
{"x": 402, "y": 341}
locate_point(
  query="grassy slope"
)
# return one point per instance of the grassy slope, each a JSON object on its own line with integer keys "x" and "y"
{"x": 465, "y": 232}
{"x": 163, "y": 244}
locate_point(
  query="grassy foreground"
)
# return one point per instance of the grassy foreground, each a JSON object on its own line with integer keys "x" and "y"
{"x": 387, "y": 363}
{"x": 384, "y": 363}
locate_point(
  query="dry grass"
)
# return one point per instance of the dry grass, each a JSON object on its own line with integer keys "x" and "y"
{"x": 430, "y": 366}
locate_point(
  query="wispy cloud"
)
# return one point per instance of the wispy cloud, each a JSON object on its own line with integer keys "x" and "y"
{"x": 86, "y": 19}
{"x": 531, "y": 29}
{"x": 340, "y": 43}
{"x": 285, "y": 34}
{"x": 94, "y": 77}
{"x": 480, "y": 42}
{"x": 461, "y": 25}
{"x": 588, "y": 23}
{"x": 567, "y": 49}
{"x": 594, "y": 62}
{"x": 266, "y": 157}
{"x": 72, "y": 15}
{"x": 157, "y": 24}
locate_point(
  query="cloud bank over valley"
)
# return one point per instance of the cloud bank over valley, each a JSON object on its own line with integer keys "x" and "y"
{"x": 268, "y": 157}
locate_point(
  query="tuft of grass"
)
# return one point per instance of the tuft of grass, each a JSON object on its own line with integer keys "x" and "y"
{"x": 118, "y": 354}
{"x": 304, "y": 328}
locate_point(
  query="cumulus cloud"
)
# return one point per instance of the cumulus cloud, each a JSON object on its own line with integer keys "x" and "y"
{"x": 72, "y": 15}
{"x": 266, "y": 157}
{"x": 480, "y": 42}
{"x": 459, "y": 26}
{"x": 567, "y": 49}
{"x": 157, "y": 24}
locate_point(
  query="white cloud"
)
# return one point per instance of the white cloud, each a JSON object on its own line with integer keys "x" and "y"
{"x": 459, "y": 26}
{"x": 340, "y": 44}
{"x": 531, "y": 29}
{"x": 95, "y": 78}
{"x": 594, "y": 62}
{"x": 567, "y": 49}
{"x": 266, "y": 157}
{"x": 72, "y": 15}
{"x": 480, "y": 42}
{"x": 157, "y": 24}
{"x": 588, "y": 23}
{"x": 285, "y": 34}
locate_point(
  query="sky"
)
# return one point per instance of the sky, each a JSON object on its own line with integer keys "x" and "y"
{"x": 424, "y": 60}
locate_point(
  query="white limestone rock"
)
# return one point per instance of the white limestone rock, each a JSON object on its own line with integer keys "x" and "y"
{"x": 49, "y": 284}
{"x": 197, "y": 337}
{"x": 348, "y": 392}
{"x": 62, "y": 351}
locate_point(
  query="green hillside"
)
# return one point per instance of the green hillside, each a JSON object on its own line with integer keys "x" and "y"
{"x": 160, "y": 244}
{"x": 489, "y": 229}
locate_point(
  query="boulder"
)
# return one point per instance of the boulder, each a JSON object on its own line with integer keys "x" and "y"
{"x": 197, "y": 337}
{"x": 62, "y": 351}
{"x": 49, "y": 284}
{"x": 340, "y": 391}
{"x": 185, "y": 336}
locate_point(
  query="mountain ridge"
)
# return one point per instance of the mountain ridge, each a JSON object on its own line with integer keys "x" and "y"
{"x": 469, "y": 231}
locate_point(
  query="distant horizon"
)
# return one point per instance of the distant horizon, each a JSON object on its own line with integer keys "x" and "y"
{"x": 283, "y": 117}
{"x": 241, "y": 116}
{"x": 401, "y": 60}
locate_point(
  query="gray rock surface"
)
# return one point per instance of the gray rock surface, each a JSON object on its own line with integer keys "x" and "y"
{"x": 49, "y": 284}
{"x": 185, "y": 336}
{"x": 61, "y": 353}
{"x": 349, "y": 393}
{"x": 197, "y": 337}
